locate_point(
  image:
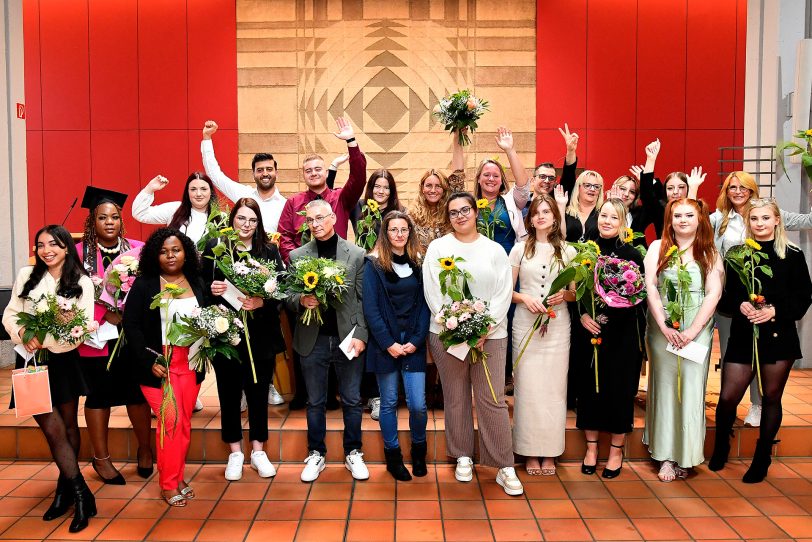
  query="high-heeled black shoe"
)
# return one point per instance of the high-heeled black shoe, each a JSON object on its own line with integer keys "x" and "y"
{"x": 63, "y": 499}
{"x": 117, "y": 480}
{"x": 144, "y": 472}
{"x": 614, "y": 473}
{"x": 85, "y": 504}
{"x": 590, "y": 469}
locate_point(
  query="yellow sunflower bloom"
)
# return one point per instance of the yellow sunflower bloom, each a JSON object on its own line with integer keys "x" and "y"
{"x": 274, "y": 237}
{"x": 226, "y": 230}
{"x": 752, "y": 244}
{"x": 628, "y": 235}
{"x": 171, "y": 286}
{"x": 339, "y": 280}
{"x": 595, "y": 246}
{"x": 310, "y": 279}
{"x": 587, "y": 262}
{"x": 671, "y": 251}
{"x": 808, "y": 132}
{"x": 372, "y": 205}
{"x": 447, "y": 264}
{"x": 482, "y": 203}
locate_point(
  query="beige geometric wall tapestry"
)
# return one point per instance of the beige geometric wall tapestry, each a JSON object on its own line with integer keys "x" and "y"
{"x": 385, "y": 65}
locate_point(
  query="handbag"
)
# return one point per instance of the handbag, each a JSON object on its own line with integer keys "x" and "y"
{"x": 32, "y": 390}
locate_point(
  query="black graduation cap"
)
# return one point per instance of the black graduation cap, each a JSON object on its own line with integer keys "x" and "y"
{"x": 95, "y": 196}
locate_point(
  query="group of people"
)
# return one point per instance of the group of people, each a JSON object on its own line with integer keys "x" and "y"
{"x": 389, "y": 316}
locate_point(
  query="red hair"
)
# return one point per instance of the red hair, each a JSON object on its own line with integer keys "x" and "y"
{"x": 704, "y": 250}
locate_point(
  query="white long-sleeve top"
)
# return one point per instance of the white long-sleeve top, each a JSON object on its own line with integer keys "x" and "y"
{"x": 47, "y": 285}
{"x": 734, "y": 233}
{"x": 146, "y": 213}
{"x": 270, "y": 208}
{"x": 492, "y": 277}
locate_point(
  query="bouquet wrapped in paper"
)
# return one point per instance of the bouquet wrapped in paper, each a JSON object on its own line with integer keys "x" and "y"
{"x": 323, "y": 278}
{"x": 459, "y": 111}
{"x": 619, "y": 283}
{"x": 59, "y": 317}
{"x": 118, "y": 279}
{"x": 207, "y": 332}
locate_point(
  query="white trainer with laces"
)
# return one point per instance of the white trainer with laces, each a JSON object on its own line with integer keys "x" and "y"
{"x": 234, "y": 467}
{"x": 274, "y": 397}
{"x": 355, "y": 464}
{"x": 506, "y": 477}
{"x": 465, "y": 469}
{"x": 375, "y": 406}
{"x": 261, "y": 464}
{"x": 314, "y": 464}
{"x": 753, "y": 417}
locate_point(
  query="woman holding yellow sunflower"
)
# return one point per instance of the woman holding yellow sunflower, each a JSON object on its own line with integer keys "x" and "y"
{"x": 380, "y": 197}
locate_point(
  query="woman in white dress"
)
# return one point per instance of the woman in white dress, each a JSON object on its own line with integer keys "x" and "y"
{"x": 540, "y": 377}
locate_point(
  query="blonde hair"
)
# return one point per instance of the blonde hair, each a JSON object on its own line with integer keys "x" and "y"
{"x": 621, "y": 211}
{"x": 478, "y": 189}
{"x": 623, "y": 179}
{"x": 723, "y": 203}
{"x": 426, "y": 215}
{"x": 575, "y": 198}
{"x": 781, "y": 241}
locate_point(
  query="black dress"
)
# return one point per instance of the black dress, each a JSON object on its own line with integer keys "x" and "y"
{"x": 620, "y": 358}
{"x": 789, "y": 291}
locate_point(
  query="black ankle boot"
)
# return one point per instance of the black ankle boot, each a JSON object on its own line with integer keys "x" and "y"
{"x": 761, "y": 462}
{"x": 63, "y": 498}
{"x": 721, "y": 447}
{"x": 85, "y": 504}
{"x": 395, "y": 466}
{"x": 419, "y": 459}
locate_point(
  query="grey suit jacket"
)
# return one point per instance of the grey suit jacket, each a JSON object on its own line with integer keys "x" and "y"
{"x": 349, "y": 312}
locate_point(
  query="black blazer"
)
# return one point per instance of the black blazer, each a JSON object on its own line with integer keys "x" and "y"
{"x": 142, "y": 327}
{"x": 263, "y": 325}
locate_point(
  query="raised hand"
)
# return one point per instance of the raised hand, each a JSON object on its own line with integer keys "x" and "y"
{"x": 696, "y": 178}
{"x": 653, "y": 149}
{"x": 340, "y": 159}
{"x": 209, "y": 127}
{"x": 561, "y": 197}
{"x": 504, "y": 138}
{"x": 612, "y": 193}
{"x": 570, "y": 139}
{"x": 345, "y": 130}
{"x": 636, "y": 171}
{"x": 156, "y": 183}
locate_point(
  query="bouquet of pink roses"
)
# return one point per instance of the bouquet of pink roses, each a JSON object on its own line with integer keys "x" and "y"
{"x": 619, "y": 283}
{"x": 118, "y": 279}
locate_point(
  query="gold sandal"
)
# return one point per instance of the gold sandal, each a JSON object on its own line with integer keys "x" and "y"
{"x": 188, "y": 492}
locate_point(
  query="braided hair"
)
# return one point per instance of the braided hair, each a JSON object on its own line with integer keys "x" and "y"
{"x": 89, "y": 239}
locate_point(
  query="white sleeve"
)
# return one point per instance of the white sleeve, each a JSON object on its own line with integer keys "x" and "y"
{"x": 16, "y": 305}
{"x": 431, "y": 279}
{"x": 230, "y": 189}
{"x": 503, "y": 287}
{"x": 146, "y": 213}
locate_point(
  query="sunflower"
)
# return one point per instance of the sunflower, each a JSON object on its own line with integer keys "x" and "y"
{"x": 226, "y": 230}
{"x": 274, "y": 237}
{"x": 595, "y": 246}
{"x": 628, "y": 235}
{"x": 586, "y": 262}
{"x": 339, "y": 280}
{"x": 808, "y": 132}
{"x": 482, "y": 203}
{"x": 372, "y": 205}
{"x": 172, "y": 287}
{"x": 752, "y": 244}
{"x": 447, "y": 264}
{"x": 310, "y": 280}
{"x": 671, "y": 251}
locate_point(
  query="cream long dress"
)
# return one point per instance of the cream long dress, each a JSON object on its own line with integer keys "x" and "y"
{"x": 540, "y": 379}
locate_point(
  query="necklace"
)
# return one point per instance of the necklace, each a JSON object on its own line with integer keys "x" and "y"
{"x": 115, "y": 250}
{"x": 177, "y": 282}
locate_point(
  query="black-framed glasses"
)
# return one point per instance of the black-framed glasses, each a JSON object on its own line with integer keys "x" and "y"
{"x": 590, "y": 186}
{"x": 545, "y": 178}
{"x": 463, "y": 211}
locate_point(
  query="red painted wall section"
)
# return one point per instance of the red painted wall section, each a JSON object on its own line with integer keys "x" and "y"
{"x": 117, "y": 92}
{"x": 624, "y": 72}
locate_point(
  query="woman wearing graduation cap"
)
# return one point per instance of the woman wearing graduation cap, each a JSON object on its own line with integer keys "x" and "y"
{"x": 103, "y": 241}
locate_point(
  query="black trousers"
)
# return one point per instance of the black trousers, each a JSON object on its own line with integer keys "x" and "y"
{"x": 234, "y": 377}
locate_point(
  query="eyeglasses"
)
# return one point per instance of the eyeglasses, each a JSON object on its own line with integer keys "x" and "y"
{"x": 590, "y": 186}
{"x": 243, "y": 220}
{"x": 401, "y": 231}
{"x": 318, "y": 220}
{"x": 739, "y": 189}
{"x": 464, "y": 211}
{"x": 381, "y": 187}
{"x": 542, "y": 177}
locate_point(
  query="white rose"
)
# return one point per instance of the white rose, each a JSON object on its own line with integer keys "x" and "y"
{"x": 235, "y": 340}
{"x": 221, "y": 324}
{"x": 121, "y": 268}
{"x": 270, "y": 286}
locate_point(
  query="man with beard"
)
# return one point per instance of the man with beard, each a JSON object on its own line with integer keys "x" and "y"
{"x": 264, "y": 169}
{"x": 544, "y": 176}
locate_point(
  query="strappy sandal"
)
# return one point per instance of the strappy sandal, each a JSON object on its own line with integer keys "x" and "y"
{"x": 533, "y": 471}
{"x": 548, "y": 471}
{"x": 667, "y": 473}
{"x": 681, "y": 473}
{"x": 188, "y": 492}
{"x": 176, "y": 501}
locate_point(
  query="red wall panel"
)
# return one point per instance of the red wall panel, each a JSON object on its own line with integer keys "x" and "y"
{"x": 672, "y": 150}
{"x": 113, "y": 65}
{"x": 611, "y": 152}
{"x": 115, "y": 166}
{"x": 33, "y": 83}
{"x": 165, "y": 152}
{"x": 64, "y": 64}
{"x": 36, "y": 191}
{"x": 223, "y": 140}
{"x": 66, "y": 171}
{"x": 702, "y": 148}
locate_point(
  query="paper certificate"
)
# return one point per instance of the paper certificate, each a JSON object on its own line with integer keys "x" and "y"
{"x": 693, "y": 351}
{"x": 231, "y": 294}
{"x": 346, "y": 345}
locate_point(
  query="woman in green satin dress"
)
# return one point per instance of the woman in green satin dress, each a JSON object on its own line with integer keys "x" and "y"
{"x": 675, "y": 407}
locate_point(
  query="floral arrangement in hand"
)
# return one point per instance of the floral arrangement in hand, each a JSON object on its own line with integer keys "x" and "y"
{"x": 459, "y": 111}
{"x": 370, "y": 216}
{"x": 676, "y": 299}
{"x": 59, "y": 317}
{"x": 487, "y": 221}
{"x": 208, "y": 331}
{"x": 323, "y": 278}
{"x": 217, "y": 220}
{"x": 118, "y": 279}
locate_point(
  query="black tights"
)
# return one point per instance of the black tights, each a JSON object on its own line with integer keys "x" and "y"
{"x": 736, "y": 378}
{"x": 62, "y": 433}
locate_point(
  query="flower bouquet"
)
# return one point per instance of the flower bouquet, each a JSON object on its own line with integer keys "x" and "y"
{"x": 118, "y": 279}
{"x": 370, "y": 215}
{"x": 217, "y": 220}
{"x": 320, "y": 277}
{"x": 254, "y": 277}
{"x": 488, "y": 221}
{"x": 745, "y": 260}
{"x": 465, "y": 319}
{"x": 459, "y": 111}
{"x": 676, "y": 299}
{"x": 58, "y": 317}
{"x": 208, "y": 331}
{"x": 169, "y": 405}
{"x": 629, "y": 236}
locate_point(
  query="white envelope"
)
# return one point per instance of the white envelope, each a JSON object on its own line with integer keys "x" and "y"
{"x": 693, "y": 351}
{"x": 106, "y": 332}
{"x": 20, "y": 349}
{"x": 346, "y": 345}
{"x": 231, "y": 294}
{"x": 459, "y": 351}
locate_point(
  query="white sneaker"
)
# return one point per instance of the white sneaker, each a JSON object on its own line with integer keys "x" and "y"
{"x": 243, "y": 403}
{"x": 261, "y": 464}
{"x": 753, "y": 417}
{"x": 374, "y": 405}
{"x": 198, "y": 405}
{"x": 314, "y": 464}
{"x": 506, "y": 477}
{"x": 355, "y": 464}
{"x": 465, "y": 469}
{"x": 234, "y": 467}
{"x": 274, "y": 397}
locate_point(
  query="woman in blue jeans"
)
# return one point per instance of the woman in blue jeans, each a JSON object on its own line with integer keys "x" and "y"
{"x": 398, "y": 321}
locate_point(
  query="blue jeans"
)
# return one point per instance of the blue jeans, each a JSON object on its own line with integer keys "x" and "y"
{"x": 315, "y": 367}
{"x": 415, "y": 385}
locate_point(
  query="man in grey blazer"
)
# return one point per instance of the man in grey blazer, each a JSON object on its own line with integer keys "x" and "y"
{"x": 318, "y": 345}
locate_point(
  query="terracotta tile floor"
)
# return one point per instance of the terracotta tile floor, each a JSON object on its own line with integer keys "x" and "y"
{"x": 568, "y": 506}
